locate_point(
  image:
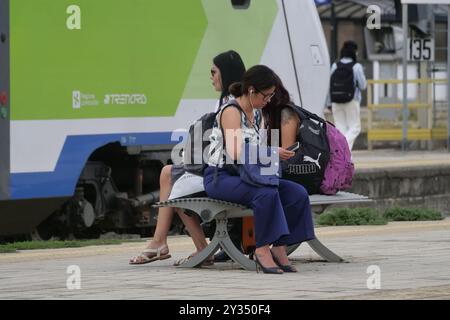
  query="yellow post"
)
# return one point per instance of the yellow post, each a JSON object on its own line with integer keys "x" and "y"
{"x": 430, "y": 113}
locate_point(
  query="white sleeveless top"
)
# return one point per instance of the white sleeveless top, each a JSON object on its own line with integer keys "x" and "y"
{"x": 249, "y": 135}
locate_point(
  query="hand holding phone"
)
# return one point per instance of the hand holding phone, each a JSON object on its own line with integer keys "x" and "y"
{"x": 289, "y": 152}
{"x": 294, "y": 147}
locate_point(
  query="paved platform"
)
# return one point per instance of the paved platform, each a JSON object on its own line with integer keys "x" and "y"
{"x": 412, "y": 257}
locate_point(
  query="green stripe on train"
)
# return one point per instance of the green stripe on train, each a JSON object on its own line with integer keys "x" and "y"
{"x": 134, "y": 58}
{"x": 129, "y": 58}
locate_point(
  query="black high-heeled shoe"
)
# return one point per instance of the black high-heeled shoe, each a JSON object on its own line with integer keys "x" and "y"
{"x": 274, "y": 270}
{"x": 284, "y": 267}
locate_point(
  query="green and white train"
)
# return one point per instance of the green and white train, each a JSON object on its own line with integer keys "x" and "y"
{"x": 91, "y": 92}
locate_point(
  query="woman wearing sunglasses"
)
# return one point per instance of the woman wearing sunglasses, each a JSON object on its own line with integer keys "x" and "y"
{"x": 226, "y": 69}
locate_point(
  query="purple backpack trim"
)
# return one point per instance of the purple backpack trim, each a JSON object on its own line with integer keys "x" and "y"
{"x": 340, "y": 169}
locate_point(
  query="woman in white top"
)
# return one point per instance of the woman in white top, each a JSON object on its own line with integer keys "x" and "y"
{"x": 282, "y": 212}
{"x": 226, "y": 69}
{"x": 347, "y": 115}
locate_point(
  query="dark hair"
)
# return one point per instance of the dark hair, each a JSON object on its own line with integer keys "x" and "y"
{"x": 260, "y": 77}
{"x": 231, "y": 70}
{"x": 351, "y": 44}
{"x": 272, "y": 111}
{"x": 349, "y": 49}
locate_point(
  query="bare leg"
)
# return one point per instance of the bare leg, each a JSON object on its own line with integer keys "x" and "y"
{"x": 192, "y": 224}
{"x": 165, "y": 214}
{"x": 165, "y": 217}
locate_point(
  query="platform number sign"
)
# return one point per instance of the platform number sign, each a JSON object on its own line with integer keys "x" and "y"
{"x": 420, "y": 49}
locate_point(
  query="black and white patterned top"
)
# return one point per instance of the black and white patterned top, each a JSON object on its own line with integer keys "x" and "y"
{"x": 250, "y": 134}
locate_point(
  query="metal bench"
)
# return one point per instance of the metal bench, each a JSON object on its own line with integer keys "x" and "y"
{"x": 211, "y": 209}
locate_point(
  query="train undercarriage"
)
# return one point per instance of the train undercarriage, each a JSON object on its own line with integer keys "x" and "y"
{"x": 114, "y": 192}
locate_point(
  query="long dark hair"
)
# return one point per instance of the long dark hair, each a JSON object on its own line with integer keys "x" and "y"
{"x": 231, "y": 68}
{"x": 260, "y": 77}
{"x": 272, "y": 111}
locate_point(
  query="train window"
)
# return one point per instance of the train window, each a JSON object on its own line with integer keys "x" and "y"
{"x": 240, "y": 4}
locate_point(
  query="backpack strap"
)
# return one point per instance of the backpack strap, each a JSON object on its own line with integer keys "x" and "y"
{"x": 236, "y": 104}
{"x": 345, "y": 65}
{"x": 232, "y": 103}
{"x": 229, "y": 168}
{"x": 232, "y": 168}
{"x": 305, "y": 114}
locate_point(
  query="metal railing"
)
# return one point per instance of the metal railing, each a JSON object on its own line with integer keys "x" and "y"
{"x": 395, "y": 134}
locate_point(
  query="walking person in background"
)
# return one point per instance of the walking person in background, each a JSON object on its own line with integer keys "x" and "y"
{"x": 347, "y": 81}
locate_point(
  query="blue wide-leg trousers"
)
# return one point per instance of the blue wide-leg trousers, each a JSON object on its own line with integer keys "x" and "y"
{"x": 282, "y": 214}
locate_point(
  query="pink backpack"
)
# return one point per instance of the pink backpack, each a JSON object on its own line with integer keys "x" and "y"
{"x": 340, "y": 169}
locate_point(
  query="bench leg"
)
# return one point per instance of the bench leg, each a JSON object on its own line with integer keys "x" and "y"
{"x": 292, "y": 248}
{"x": 229, "y": 247}
{"x": 323, "y": 251}
{"x": 319, "y": 248}
{"x": 221, "y": 239}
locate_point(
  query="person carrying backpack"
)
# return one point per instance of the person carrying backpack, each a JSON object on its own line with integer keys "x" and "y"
{"x": 281, "y": 209}
{"x": 346, "y": 82}
{"x": 226, "y": 69}
{"x": 322, "y": 163}
{"x": 297, "y": 125}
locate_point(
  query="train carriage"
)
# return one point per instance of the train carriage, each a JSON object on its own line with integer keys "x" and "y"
{"x": 95, "y": 93}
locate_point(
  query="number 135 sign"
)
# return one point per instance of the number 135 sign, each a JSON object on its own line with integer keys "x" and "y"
{"x": 420, "y": 49}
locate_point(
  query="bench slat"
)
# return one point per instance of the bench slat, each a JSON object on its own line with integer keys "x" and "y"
{"x": 340, "y": 197}
{"x": 198, "y": 200}
{"x": 315, "y": 199}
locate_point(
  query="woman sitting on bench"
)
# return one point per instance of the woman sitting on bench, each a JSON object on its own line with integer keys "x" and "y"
{"x": 282, "y": 214}
{"x": 227, "y": 68}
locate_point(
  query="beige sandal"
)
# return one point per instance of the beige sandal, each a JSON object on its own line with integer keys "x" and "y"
{"x": 150, "y": 255}
{"x": 208, "y": 262}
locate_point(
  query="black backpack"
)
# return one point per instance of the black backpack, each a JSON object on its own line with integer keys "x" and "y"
{"x": 196, "y": 153}
{"x": 308, "y": 165}
{"x": 194, "y": 161}
{"x": 342, "y": 85}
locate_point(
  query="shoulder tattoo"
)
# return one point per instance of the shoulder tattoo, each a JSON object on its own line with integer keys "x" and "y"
{"x": 287, "y": 115}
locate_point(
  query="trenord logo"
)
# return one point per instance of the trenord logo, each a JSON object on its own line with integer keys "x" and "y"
{"x": 121, "y": 99}
{"x": 80, "y": 99}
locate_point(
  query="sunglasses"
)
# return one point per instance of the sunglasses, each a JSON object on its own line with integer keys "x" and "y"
{"x": 266, "y": 97}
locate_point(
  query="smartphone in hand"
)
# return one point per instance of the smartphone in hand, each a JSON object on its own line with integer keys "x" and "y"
{"x": 294, "y": 147}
